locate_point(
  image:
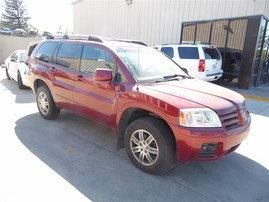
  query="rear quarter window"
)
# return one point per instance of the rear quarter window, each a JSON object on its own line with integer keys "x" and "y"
{"x": 45, "y": 52}
{"x": 211, "y": 53}
{"x": 168, "y": 51}
{"x": 188, "y": 52}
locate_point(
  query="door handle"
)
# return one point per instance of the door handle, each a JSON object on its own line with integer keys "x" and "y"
{"x": 79, "y": 77}
{"x": 52, "y": 69}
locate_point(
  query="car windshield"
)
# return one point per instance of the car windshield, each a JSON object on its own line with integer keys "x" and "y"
{"x": 148, "y": 64}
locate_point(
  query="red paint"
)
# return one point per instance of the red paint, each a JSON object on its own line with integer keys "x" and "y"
{"x": 103, "y": 100}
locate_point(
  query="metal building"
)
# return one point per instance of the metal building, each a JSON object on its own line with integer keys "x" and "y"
{"x": 155, "y": 21}
{"x": 174, "y": 21}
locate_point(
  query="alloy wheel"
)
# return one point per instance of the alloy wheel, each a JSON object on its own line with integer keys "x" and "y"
{"x": 43, "y": 103}
{"x": 144, "y": 147}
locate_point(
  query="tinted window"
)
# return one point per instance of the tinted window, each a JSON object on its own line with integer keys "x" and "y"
{"x": 46, "y": 51}
{"x": 211, "y": 53}
{"x": 188, "y": 52}
{"x": 168, "y": 51}
{"x": 93, "y": 58}
{"x": 68, "y": 55}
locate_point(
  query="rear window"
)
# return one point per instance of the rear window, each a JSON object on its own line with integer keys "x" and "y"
{"x": 211, "y": 53}
{"x": 188, "y": 52}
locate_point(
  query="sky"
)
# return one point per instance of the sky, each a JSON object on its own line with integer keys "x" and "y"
{"x": 48, "y": 15}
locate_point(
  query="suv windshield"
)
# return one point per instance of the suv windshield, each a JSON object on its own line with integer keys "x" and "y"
{"x": 147, "y": 64}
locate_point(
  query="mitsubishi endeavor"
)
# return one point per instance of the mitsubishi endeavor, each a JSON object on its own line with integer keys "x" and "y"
{"x": 162, "y": 116}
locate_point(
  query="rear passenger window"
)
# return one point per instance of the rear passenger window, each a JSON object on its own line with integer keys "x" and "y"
{"x": 68, "y": 55}
{"x": 93, "y": 58}
{"x": 211, "y": 53}
{"x": 168, "y": 51}
{"x": 188, "y": 52}
{"x": 46, "y": 51}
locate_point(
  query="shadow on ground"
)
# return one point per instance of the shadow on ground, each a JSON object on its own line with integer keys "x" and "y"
{"x": 11, "y": 86}
{"x": 84, "y": 153}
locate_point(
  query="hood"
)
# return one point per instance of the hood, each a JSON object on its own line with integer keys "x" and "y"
{"x": 199, "y": 93}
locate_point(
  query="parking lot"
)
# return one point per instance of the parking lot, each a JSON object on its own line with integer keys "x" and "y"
{"x": 75, "y": 159}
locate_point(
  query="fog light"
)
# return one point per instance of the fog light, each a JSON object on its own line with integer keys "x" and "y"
{"x": 208, "y": 150}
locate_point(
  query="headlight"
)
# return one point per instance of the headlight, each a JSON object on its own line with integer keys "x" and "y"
{"x": 198, "y": 117}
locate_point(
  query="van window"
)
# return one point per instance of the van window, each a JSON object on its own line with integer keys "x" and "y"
{"x": 46, "y": 51}
{"x": 211, "y": 53}
{"x": 168, "y": 51}
{"x": 68, "y": 55}
{"x": 188, "y": 52}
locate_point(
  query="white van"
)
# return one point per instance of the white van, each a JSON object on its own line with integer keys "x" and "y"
{"x": 200, "y": 60}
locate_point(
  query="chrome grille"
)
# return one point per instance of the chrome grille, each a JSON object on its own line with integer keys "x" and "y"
{"x": 230, "y": 120}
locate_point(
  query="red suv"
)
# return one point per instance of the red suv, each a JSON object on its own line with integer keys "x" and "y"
{"x": 160, "y": 114}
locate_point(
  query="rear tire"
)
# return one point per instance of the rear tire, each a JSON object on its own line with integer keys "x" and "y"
{"x": 20, "y": 84}
{"x": 45, "y": 104}
{"x": 150, "y": 146}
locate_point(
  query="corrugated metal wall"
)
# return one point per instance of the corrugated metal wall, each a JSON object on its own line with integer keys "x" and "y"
{"x": 155, "y": 21}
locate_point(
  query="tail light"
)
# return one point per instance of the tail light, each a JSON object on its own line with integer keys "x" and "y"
{"x": 201, "y": 67}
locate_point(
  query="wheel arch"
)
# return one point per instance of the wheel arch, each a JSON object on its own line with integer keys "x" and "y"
{"x": 131, "y": 114}
{"x": 39, "y": 83}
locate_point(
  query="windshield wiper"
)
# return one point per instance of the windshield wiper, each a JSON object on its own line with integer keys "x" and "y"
{"x": 175, "y": 76}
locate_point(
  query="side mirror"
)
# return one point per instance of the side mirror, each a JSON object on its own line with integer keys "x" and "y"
{"x": 102, "y": 75}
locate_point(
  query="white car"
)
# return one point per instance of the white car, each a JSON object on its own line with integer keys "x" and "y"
{"x": 16, "y": 68}
{"x": 201, "y": 61}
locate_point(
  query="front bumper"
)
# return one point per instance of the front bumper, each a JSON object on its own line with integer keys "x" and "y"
{"x": 198, "y": 144}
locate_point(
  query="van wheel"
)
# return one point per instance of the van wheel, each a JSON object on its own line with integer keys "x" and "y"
{"x": 7, "y": 74}
{"x": 20, "y": 84}
{"x": 45, "y": 104}
{"x": 149, "y": 145}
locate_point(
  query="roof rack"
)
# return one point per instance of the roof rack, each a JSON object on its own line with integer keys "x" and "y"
{"x": 196, "y": 43}
{"x": 132, "y": 41}
{"x": 92, "y": 38}
{"x": 76, "y": 37}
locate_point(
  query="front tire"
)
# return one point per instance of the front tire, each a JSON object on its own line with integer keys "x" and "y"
{"x": 45, "y": 104}
{"x": 149, "y": 145}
